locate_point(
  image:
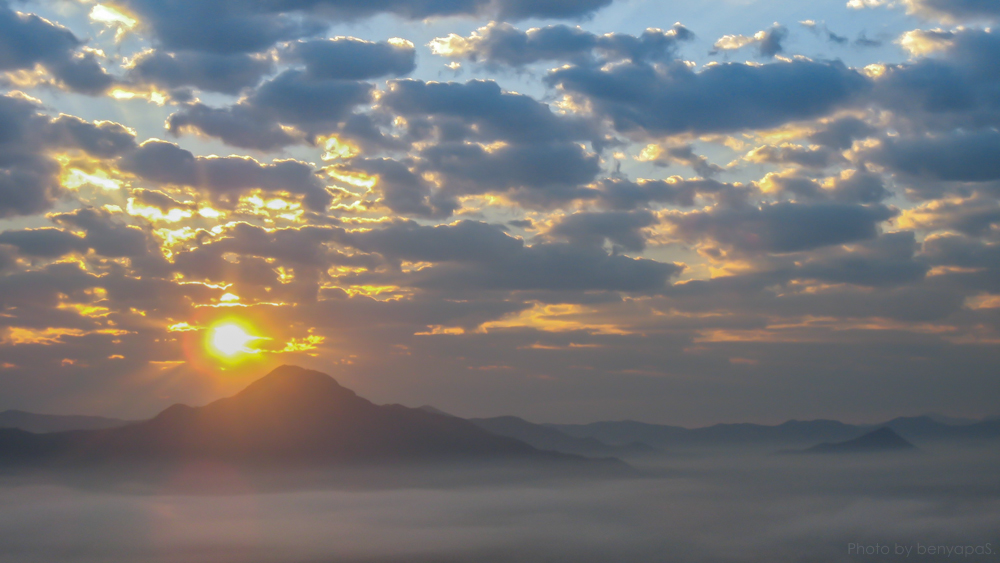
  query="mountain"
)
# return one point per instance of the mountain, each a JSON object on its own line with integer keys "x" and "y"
{"x": 433, "y": 410}
{"x": 663, "y": 436}
{"x": 292, "y": 416}
{"x": 881, "y": 440}
{"x": 56, "y": 423}
{"x": 547, "y": 438}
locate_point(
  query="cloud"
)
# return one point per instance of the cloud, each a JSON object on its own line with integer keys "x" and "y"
{"x": 29, "y": 176}
{"x": 620, "y": 228}
{"x": 954, "y": 10}
{"x": 45, "y": 242}
{"x": 292, "y": 98}
{"x": 663, "y": 156}
{"x": 851, "y": 186}
{"x": 105, "y": 235}
{"x": 533, "y": 174}
{"x": 953, "y": 157}
{"x": 767, "y": 42}
{"x": 224, "y": 179}
{"x": 822, "y": 30}
{"x": 953, "y": 88}
{"x": 783, "y": 227}
{"x": 476, "y": 256}
{"x": 480, "y": 110}
{"x": 675, "y": 99}
{"x": 347, "y": 58}
{"x": 27, "y": 40}
{"x": 212, "y": 72}
{"x": 503, "y": 44}
{"x": 624, "y": 194}
{"x": 841, "y": 133}
{"x": 222, "y": 27}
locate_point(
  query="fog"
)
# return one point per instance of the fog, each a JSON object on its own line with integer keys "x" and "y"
{"x": 709, "y": 505}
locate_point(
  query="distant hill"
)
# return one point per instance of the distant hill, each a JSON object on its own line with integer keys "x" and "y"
{"x": 56, "y": 423}
{"x": 291, "y": 416}
{"x": 881, "y": 440}
{"x": 548, "y": 438}
{"x": 791, "y": 433}
{"x": 663, "y": 436}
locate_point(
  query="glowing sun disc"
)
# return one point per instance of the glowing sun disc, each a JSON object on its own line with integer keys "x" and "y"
{"x": 230, "y": 340}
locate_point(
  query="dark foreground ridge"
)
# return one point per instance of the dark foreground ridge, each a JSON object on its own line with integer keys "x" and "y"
{"x": 881, "y": 440}
{"x": 291, "y": 417}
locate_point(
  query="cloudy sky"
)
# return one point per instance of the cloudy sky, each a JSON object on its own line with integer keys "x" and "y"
{"x": 729, "y": 210}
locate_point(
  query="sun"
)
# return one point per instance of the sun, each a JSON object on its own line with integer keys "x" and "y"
{"x": 230, "y": 340}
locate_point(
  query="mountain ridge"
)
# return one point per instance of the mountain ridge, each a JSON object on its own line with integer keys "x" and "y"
{"x": 290, "y": 416}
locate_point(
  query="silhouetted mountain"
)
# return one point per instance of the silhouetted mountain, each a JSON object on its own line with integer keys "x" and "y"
{"x": 952, "y": 420}
{"x": 881, "y": 440}
{"x": 56, "y": 423}
{"x": 291, "y": 416}
{"x": 548, "y": 438}
{"x": 663, "y": 436}
{"x": 433, "y": 410}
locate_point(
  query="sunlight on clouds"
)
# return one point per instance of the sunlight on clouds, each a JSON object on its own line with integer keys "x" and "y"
{"x": 337, "y": 149}
{"x": 156, "y": 214}
{"x": 920, "y": 43}
{"x": 733, "y": 42}
{"x": 52, "y": 335}
{"x": 352, "y": 177}
{"x": 555, "y": 318}
{"x": 74, "y": 179}
{"x": 149, "y": 94}
{"x": 115, "y": 18}
{"x": 306, "y": 344}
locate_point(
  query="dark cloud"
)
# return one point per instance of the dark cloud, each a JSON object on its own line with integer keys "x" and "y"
{"x": 224, "y": 26}
{"x": 957, "y": 157}
{"x": 44, "y": 243}
{"x": 806, "y": 157}
{"x": 954, "y": 87}
{"x": 291, "y": 98}
{"x": 977, "y": 216}
{"x": 403, "y": 191}
{"x": 479, "y": 109}
{"x": 889, "y": 260}
{"x": 213, "y": 72}
{"x": 622, "y": 194}
{"x": 523, "y": 148}
{"x": 621, "y": 228}
{"x": 347, "y": 58}
{"x": 727, "y": 97}
{"x": 685, "y": 155}
{"x": 105, "y": 235}
{"x": 533, "y": 174}
{"x": 783, "y": 227}
{"x": 225, "y": 178}
{"x": 477, "y": 256}
{"x": 27, "y": 40}
{"x": 767, "y": 43}
{"x": 504, "y": 44}
{"x": 854, "y": 186}
{"x": 841, "y": 133}
{"x": 29, "y": 176}
{"x": 159, "y": 200}
{"x": 823, "y": 31}
{"x": 101, "y": 139}
{"x": 952, "y": 10}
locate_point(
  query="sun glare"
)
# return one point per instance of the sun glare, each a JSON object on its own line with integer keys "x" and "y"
{"x": 230, "y": 340}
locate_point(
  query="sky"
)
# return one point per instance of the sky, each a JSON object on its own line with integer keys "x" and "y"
{"x": 675, "y": 212}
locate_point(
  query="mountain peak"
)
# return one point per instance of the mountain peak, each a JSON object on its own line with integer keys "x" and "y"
{"x": 880, "y": 439}
{"x": 297, "y": 381}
